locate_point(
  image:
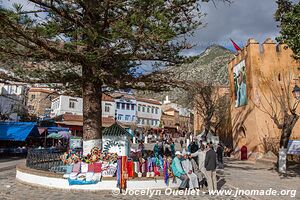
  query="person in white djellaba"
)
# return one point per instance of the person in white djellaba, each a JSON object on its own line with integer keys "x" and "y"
{"x": 201, "y": 153}
{"x": 188, "y": 168}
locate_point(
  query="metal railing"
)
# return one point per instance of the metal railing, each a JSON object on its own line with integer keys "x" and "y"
{"x": 45, "y": 159}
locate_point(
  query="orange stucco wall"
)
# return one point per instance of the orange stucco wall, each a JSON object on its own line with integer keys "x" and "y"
{"x": 250, "y": 125}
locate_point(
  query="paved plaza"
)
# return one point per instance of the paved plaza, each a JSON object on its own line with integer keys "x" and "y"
{"x": 236, "y": 175}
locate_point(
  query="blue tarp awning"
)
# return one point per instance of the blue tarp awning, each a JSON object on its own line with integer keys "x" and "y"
{"x": 55, "y": 129}
{"x": 18, "y": 131}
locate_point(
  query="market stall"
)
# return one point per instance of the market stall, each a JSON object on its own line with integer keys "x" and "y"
{"x": 113, "y": 161}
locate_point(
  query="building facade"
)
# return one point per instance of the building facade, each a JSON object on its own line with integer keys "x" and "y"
{"x": 39, "y": 101}
{"x": 148, "y": 113}
{"x": 182, "y": 117}
{"x": 108, "y": 106}
{"x": 66, "y": 105}
{"x": 250, "y": 125}
{"x": 12, "y": 98}
{"x": 125, "y": 111}
{"x": 74, "y": 105}
{"x": 170, "y": 120}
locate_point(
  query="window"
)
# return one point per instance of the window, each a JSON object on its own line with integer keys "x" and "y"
{"x": 127, "y": 106}
{"x": 123, "y": 106}
{"x": 132, "y": 106}
{"x": 143, "y": 109}
{"x": 138, "y": 120}
{"x": 156, "y": 110}
{"x": 152, "y": 110}
{"x": 143, "y": 121}
{"x": 71, "y": 103}
{"x": 33, "y": 96}
{"x": 139, "y": 108}
{"x": 118, "y": 105}
{"x": 107, "y": 108}
{"x": 127, "y": 117}
{"x": 120, "y": 117}
{"x": 148, "y": 109}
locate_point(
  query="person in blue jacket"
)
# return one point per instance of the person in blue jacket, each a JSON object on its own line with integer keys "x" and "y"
{"x": 179, "y": 172}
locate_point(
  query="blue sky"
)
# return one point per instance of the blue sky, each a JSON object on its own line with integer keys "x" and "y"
{"x": 240, "y": 20}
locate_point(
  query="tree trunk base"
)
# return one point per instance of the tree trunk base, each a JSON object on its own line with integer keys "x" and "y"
{"x": 282, "y": 160}
{"x": 89, "y": 144}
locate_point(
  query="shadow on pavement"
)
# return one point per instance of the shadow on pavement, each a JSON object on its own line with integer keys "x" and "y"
{"x": 293, "y": 170}
{"x": 8, "y": 159}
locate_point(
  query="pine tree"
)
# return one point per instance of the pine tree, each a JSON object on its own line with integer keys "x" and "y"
{"x": 82, "y": 45}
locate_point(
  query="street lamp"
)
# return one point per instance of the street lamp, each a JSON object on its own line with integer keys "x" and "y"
{"x": 296, "y": 92}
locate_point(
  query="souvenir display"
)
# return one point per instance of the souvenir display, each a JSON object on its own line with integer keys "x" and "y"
{"x": 97, "y": 164}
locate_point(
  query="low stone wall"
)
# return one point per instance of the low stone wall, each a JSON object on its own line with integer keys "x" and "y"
{"x": 55, "y": 181}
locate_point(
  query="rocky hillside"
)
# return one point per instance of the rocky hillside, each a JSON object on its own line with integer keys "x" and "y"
{"x": 209, "y": 66}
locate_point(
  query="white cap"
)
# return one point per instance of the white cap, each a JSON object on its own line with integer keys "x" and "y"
{"x": 177, "y": 153}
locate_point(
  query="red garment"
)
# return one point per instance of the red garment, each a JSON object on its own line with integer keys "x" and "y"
{"x": 91, "y": 168}
{"x": 97, "y": 167}
{"x": 124, "y": 173}
{"x": 156, "y": 172}
{"x": 130, "y": 168}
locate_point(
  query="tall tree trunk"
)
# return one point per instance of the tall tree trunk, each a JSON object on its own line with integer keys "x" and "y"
{"x": 92, "y": 115}
{"x": 287, "y": 129}
{"x": 285, "y": 136}
{"x": 289, "y": 123}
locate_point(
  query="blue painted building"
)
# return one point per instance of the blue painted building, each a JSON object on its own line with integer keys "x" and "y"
{"x": 126, "y": 108}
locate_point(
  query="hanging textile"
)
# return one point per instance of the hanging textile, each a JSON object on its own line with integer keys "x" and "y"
{"x": 136, "y": 167}
{"x": 156, "y": 172}
{"x": 146, "y": 166}
{"x": 130, "y": 168}
{"x": 166, "y": 172}
{"x": 150, "y": 165}
{"x": 122, "y": 174}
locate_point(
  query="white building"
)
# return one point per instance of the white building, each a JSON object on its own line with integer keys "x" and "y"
{"x": 148, "y": 112}
{"x": 125, "y": 108}
{"x": 66, "y": 105}
{"x": 108, "y": 106}
{"x": 12, "y": 98}
{"x": 74, "y": 105}
{"x": 167, "y": 104}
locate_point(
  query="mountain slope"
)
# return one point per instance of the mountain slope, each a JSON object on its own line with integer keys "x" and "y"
{"x": 209, "y": 66}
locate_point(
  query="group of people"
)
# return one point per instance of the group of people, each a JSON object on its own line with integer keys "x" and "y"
{"x": 195, "y": 175}
{"x": 164, "y": 148}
